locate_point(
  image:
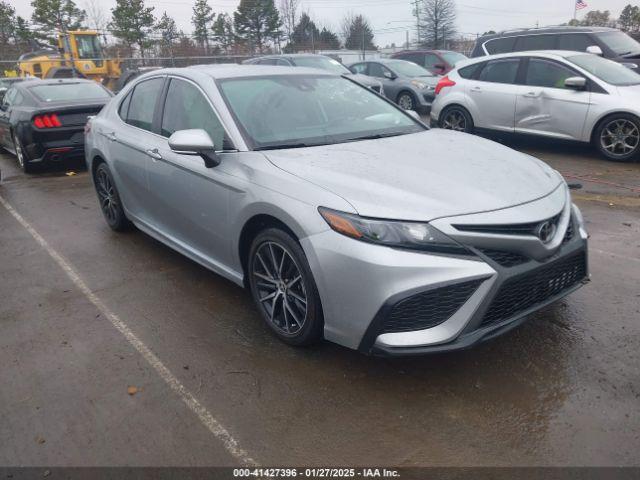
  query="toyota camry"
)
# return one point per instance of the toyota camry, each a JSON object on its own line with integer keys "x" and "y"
{"x": 345, "y": 216}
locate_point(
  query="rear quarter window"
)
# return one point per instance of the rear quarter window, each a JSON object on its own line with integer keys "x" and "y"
{"x": 468, "y": 72}
{"x": 500, "y": 45}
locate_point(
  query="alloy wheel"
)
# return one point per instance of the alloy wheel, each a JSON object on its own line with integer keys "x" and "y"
{"x": 107, "y": 195}
{"x": 405, "y": 101}
{"x": 455, "y": 120}
{"x": 620, "y": 137}
{"x": 280, "y": 288}
{"x": 19, "y": 152}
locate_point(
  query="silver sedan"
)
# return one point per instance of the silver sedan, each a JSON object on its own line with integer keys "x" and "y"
{"x": 561, "y": 95}
{"x": 345, "y": 216}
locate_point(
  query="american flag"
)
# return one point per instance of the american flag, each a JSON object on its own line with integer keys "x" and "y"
{"x": 580, "y": 4}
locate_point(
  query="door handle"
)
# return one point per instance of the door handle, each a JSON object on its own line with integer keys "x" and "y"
{"x": 476, "y": 90}
{"x": 154, "y": 154}
{"x": 111, "y": 136}
{"x": 532, "y": 94}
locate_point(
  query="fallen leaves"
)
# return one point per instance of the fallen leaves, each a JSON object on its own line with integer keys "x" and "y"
{"x": 132, "y": 390}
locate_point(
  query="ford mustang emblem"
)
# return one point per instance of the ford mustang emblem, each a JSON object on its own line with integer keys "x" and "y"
{"x": 546, "y": 231}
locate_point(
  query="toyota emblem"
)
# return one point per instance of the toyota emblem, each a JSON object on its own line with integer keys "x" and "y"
{"x": 546, "y": 231}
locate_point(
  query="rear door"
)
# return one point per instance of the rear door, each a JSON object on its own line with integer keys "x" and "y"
{"x": 492, "y": 93}
{"x": 5, "y": 112}
{"x": 133, "y": 140}
{"x": 545, "y": 106}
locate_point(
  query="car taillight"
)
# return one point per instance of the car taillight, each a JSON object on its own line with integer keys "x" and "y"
{"x": 47, "y": 121}
{"x": 443, "y": 83}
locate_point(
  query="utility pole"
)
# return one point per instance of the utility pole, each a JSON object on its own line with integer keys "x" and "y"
{"x": 407, "y": 46}
{"x": 416, "y": 3}
{"x": 364, "y": 52}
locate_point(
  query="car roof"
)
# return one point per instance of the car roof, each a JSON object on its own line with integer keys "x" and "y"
{"x": 425, "y": 50}
{"x": 557, "y": 54}
{"x": 545, "y": 30}
{"x": 232, "y": 70}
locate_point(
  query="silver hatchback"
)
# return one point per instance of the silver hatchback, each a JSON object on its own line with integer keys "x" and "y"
{"x": 346, "y": 217}
{"x": 561, "y": 95}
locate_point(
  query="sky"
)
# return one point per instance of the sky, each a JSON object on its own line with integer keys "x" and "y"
{"x": 392, "y": 18}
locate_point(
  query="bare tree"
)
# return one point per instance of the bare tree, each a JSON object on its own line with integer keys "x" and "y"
{"x": 289, "y": 15}
{"x": 96, "y": 16}
{"x": 437, "y": 22}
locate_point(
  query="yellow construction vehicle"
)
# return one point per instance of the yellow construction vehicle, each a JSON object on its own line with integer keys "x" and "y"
{"x": 79, "y": 54}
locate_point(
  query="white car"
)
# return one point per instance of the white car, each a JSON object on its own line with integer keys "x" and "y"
{"x": 557, "y": 94}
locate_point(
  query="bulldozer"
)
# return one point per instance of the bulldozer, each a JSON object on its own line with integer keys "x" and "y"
{"x": 79, "y": 54}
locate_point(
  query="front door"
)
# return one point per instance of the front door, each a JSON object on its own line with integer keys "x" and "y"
{"x": 546, "y": 107}
{"x": 190, "y": 201}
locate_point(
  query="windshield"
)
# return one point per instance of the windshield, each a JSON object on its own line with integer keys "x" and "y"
{"x": 323, "y": 63}
{"x": 453, "y": 57}
{"x": 408, "y": 69}
{"x": 621, "y": 43}
{"x": 88, "y": 46}
{"x": 304, "y": 110}
{"x": 607, "y": 70}
{"x": 70, "y": 92}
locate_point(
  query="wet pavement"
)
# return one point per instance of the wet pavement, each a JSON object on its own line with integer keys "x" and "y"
{"x": 563, "y": 389}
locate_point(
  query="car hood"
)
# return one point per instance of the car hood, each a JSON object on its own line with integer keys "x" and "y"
{"x": 422, "y": 176}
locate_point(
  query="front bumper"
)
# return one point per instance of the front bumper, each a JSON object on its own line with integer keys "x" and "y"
{"x": 363, "y": 286}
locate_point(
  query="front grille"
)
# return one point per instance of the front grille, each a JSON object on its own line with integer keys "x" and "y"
{"x": 428, "y": 309}
{"x": 507, "y": 229}
{"x": 533, "y": 288}
{"x": 505, "y": 259}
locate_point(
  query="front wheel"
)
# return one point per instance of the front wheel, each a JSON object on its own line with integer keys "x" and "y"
{"x": 283, "y": 288}
{"x": 457, "y": 119}
{"x": 618, "y": 137}
{"x": 406, "y": 101}
{"x": 109, "y": 199}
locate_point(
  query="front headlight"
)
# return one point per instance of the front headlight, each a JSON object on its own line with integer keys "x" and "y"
{"x": 409, "y": 235}
{"x": 419, "y": 84}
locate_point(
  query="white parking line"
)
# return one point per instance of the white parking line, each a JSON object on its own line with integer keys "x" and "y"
{"x": 208, "y": 420}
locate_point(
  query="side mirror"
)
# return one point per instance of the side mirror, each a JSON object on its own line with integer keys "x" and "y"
{"x": 195, "y": 142}
{"x": 576, "y": 83}
{"x": 390, "y": 75}
{"x": 595, "y": 50}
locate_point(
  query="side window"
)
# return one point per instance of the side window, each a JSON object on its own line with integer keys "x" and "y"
{"x": 143, "y": 103}
{"x": 359, "y": 68}
{"x": 430, "y": 60}
{"x": 186, "y": 108}
{"x": 377, "y": 70}
{"x": 542, "y": 73}
{"x": 282, "y": 63}
{"x": 468, "y": 72}
{"x": 500, "y": 45}
{"x": 577, "y": 42}
{"x": 124, "y": 107}
{"x": 412, "y": 57}
{"x": 536, "y": 42}
{"x": 500, "y": 71}
{"x": 268, "y": 61}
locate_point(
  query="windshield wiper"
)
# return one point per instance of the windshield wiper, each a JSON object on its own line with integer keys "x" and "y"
{"x": 283, "y": 146}
{"x": 375, "y": 136}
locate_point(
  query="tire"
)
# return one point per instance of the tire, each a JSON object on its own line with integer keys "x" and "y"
{"x": 21, "y": 155}
{"x": 283, "y": 288}
{"x": 456, "y": 118}
{"x": 407, "y": 101}
{"x": 109, "y": 200}
{"x": 617, "y": 137}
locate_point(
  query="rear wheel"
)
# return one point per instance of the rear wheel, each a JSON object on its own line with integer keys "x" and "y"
{"x": 109, "y": 199}
{"x": 283, "y": 288}
{"x": 456, "y": 118}
{"x": 618, "y": 137}
{"x": 21, "y": 155}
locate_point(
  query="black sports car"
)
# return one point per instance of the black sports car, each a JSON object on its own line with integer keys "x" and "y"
{"x": 43, "y": 120}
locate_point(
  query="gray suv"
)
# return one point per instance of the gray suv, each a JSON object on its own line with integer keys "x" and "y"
{"x": 610, "y": 43}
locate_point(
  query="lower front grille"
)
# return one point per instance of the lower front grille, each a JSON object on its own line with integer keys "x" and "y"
{"x": 428, "y": 309}
{"x": 533, "y": 288}
{"x": 505, "y": 259}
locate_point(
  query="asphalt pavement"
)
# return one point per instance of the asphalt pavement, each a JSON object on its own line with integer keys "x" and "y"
{"x": 115, "y": 350}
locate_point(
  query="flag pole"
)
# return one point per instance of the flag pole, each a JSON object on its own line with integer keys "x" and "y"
{"x": 575, "y": 9}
